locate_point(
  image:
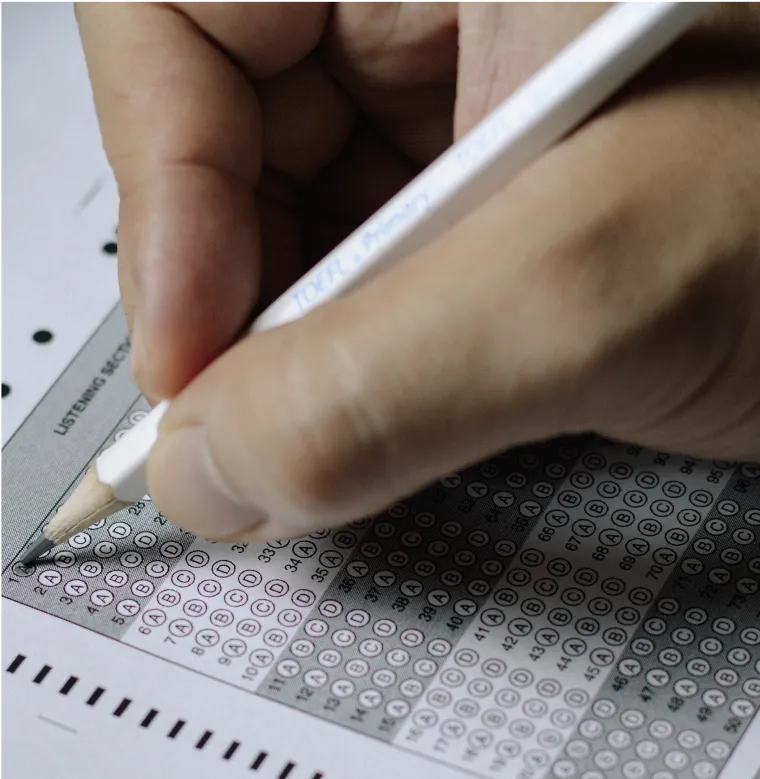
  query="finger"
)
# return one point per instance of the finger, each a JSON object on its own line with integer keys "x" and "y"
{"x": 182, "y": 130}
{"x": 306, "y": 119}
{"x": 501, "y": 45}
{"x": 399, "y": 63}
{"x": 366, "y": 174}
{"x": 263, "y": 39}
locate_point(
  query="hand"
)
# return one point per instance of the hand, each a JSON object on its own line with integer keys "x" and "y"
{"x": 613, "y": 286}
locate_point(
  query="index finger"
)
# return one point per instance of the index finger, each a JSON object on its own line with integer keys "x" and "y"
{"x": 181, "y": 128}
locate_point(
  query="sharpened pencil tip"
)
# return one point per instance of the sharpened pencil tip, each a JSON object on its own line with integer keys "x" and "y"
{"x": 39, "y": 547}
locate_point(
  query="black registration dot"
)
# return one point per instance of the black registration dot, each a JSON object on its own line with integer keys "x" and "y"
{"x": 43, "y": 336}
{"x": 6, "y": 390}
{"x": 110, "y": 248}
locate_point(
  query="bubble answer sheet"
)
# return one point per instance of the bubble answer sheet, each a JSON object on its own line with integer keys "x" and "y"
{"x": 576, "y": 609}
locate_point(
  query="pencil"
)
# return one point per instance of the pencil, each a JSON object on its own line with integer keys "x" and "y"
{"x": 541, "y": 112}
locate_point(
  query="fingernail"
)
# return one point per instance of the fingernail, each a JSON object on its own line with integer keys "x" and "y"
{"x": 188, "y": 487}
{"x": 139, "y": 363}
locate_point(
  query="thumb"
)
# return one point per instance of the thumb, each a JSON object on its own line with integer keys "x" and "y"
{"x": 432, "y": 366}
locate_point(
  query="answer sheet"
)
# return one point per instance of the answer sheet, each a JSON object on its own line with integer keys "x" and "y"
{"x": 577, "y": 609}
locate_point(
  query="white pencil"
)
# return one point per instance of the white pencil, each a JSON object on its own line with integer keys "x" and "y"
{"x": 548, "y": 106}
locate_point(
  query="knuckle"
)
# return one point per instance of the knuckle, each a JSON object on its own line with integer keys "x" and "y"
{"x": 593, "y": 279}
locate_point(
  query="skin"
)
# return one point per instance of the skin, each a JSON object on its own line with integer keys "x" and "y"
{"x": 613, "y": 286}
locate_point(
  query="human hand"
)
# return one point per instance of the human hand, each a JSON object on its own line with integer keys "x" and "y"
{"x": 613, "y": 286}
